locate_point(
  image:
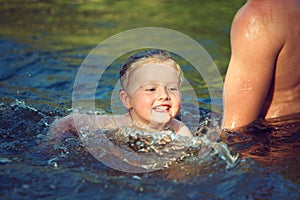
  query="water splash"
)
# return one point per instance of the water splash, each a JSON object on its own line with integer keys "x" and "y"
{"x": 152, "y": 151}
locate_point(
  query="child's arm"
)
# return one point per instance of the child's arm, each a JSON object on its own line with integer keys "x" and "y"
{"x": 185, "y": 131}
{"x": 181, "y": 128}
{"x": 74, "y": 122}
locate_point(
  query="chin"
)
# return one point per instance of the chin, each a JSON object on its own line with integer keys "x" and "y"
{"x": 161, "y": 118}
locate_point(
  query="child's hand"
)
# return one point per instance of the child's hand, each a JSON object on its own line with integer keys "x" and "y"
{"x": 63, "y": 125}
{"x": 61, "y": 128}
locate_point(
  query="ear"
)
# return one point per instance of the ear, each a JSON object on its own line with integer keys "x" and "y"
{"x": 125, "y": 99}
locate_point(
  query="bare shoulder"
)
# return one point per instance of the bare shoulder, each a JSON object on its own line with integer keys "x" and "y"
{"x": 113, "y": 121}
{"x": 121, "y": 120}
{"x": 180, "y": 128}
{"x": 265, "y": 13}
{"x": 259, "y": 24}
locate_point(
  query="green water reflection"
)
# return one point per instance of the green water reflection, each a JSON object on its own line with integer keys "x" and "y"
{"x": 63, "y": 24}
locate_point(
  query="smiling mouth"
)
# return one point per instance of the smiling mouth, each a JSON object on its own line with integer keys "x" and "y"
{"x": 162, "y": 108}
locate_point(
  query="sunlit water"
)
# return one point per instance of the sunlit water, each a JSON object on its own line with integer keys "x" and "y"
{"x": 36, "y": 89}
{"x": 41, "y": 47}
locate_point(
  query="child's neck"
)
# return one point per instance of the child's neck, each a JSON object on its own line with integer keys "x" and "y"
{"x": 151, "y": 127}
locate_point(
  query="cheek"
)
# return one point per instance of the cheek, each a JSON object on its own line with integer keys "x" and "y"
{"x": 177, "y": 97}
{"x": 177, "y": 102}
{"x": 143, "y": 101}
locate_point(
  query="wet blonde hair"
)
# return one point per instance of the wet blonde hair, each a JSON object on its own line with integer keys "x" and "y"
{"x": 144, "y": 57}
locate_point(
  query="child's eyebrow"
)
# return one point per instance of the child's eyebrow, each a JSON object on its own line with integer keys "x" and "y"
{"x": 158, "y": 83}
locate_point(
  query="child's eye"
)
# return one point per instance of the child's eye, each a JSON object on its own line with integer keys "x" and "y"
{"x": 150, "y": 89}
{"x": 173, "y": 88}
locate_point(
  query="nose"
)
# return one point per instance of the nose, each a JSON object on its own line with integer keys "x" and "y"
{"x": 163, "y": 94}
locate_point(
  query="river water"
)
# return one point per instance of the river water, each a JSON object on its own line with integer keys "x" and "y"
{"x": 42, "y": 46}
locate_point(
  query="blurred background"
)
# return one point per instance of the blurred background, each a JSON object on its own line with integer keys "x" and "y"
{"x": 43, "y": 43}
{"x": 63, "y": 24}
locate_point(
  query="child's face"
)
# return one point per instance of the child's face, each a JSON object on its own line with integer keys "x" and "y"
{"x": 154, "y": 94}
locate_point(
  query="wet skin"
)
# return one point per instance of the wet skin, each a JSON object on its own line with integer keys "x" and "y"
{"x": 153, "y": 96}
{"x": 263, "y": 77}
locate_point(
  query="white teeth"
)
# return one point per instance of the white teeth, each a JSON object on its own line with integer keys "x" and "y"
{"x": 161, "y": 108}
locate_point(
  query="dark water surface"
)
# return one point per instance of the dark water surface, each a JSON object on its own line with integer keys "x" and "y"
{"x": 42, "y": 45}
